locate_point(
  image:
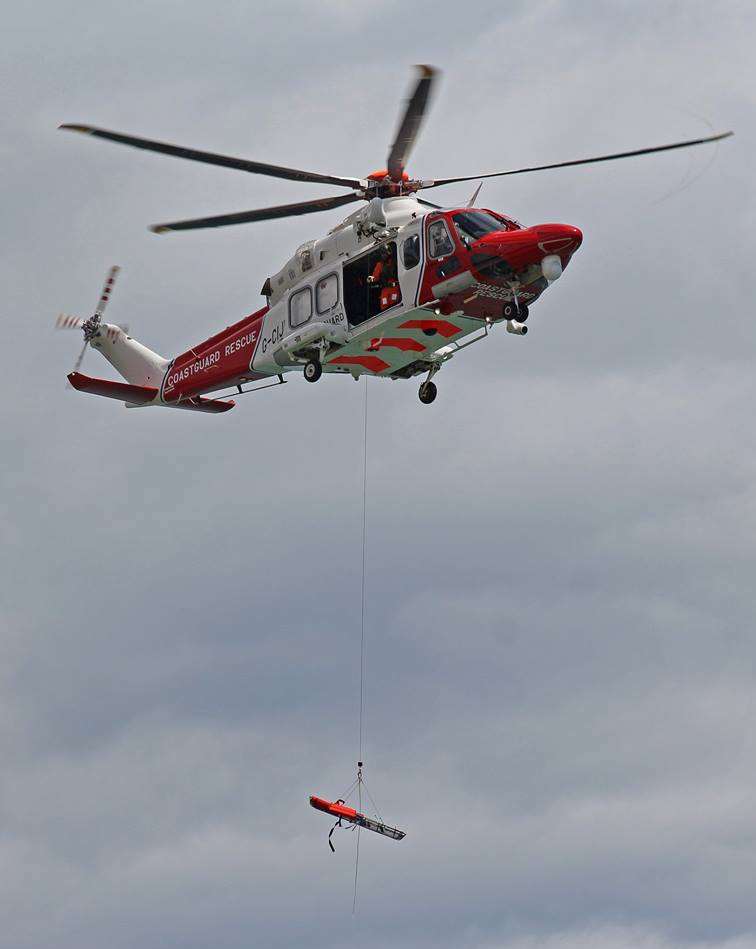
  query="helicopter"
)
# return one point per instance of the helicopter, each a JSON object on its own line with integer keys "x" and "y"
{"x": 395, "y": 290}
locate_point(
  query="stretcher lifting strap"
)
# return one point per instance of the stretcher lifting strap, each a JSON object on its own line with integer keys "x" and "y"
{"x": 330, "y": 842}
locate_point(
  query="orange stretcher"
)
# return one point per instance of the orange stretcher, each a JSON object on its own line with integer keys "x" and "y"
{"x": 342, "y": 812}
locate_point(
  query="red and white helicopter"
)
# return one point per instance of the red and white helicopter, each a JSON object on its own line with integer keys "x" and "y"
{"x": 395, "y": 290}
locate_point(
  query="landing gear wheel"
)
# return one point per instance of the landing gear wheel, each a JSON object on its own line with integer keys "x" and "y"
{"x": 313, "y": 370}
{"x": 428, "y": 392}
{"x": 510, "y": 311}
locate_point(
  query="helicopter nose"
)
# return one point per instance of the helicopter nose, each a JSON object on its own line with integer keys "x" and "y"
{"x": 554, "y": 243}
{"x": 558, "y": 238}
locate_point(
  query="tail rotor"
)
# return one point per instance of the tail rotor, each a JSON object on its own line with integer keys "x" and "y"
{"x": 90, "y": 327}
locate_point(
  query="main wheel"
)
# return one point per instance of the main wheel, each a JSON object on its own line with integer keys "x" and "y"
{"x": 428, "y": 392}
{"x": 313, "y": 370}
{"x": 510, "y": 311}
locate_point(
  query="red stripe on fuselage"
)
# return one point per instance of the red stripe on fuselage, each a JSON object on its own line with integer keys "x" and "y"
{"x": 371, "y": 363}
{"x": 223, "y": 360}
{"x": 405, "y": 343}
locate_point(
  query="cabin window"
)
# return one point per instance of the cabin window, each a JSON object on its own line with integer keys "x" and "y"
{"x": 411, "y": 252}
{"x": 439, "y": 242}
{"x": 327, "y": 293}
{"x": 300, "y": 307}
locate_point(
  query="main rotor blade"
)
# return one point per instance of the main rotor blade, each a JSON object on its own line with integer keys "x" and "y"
{"x": 430, "y": 204}
{"x": 437, "y": 182}
{"x": 411, "y": 121}
{"x": 261, "y": 214}
{"x": 210, "y": 158}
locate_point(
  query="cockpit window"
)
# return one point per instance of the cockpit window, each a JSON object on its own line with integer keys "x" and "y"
{"x": 472, "y": 225}
{"x": 438, "y": 239}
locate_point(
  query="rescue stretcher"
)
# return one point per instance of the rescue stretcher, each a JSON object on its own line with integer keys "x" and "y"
{"x": 342, "y": 812}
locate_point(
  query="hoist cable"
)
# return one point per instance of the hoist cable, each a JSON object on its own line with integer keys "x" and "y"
{"x": 364, "y": 532}
{"x": 362, "y": 635}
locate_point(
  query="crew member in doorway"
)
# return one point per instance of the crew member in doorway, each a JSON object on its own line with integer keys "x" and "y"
{"x": 384, "y": 277}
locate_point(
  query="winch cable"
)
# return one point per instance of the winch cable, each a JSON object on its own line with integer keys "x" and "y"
{"x": 362, "y": 634}
{"x": 359, "y": 782}
{"x": 364, "y": 545}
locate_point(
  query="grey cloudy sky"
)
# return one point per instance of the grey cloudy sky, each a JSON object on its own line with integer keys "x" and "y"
{"x": 560, "y": 647}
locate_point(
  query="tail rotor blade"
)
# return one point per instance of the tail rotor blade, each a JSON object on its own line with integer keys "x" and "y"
{"x": 80, "y": 359}
{"x": 409, "y": 126}
{"x": 106, "y": 290}
{"x": 67, "y": 322}
{"x": 91, "y": 327}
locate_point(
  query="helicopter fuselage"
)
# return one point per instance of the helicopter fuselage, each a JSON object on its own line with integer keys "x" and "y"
{"x": 446, "y": 274}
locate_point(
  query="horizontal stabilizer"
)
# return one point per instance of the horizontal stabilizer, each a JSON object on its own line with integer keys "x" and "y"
{"x": 142, "y": 395}
{"x": 123, "y": 391}
{"x": 198, "y": 404}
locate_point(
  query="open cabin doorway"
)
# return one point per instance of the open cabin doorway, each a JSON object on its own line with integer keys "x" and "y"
{"x": 365, "y": 298}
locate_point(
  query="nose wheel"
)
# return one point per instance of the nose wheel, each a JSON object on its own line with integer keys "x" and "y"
{"x": 511, "y": 311}
{"x": 428, "y": 392}
{"x": 313, "y": 370}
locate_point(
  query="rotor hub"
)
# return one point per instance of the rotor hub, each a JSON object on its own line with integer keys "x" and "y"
{"x": 381, "y": 185}
{"x": 91, "y": 327}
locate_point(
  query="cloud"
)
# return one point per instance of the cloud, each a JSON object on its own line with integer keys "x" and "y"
{"x": 560, "y": 666}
